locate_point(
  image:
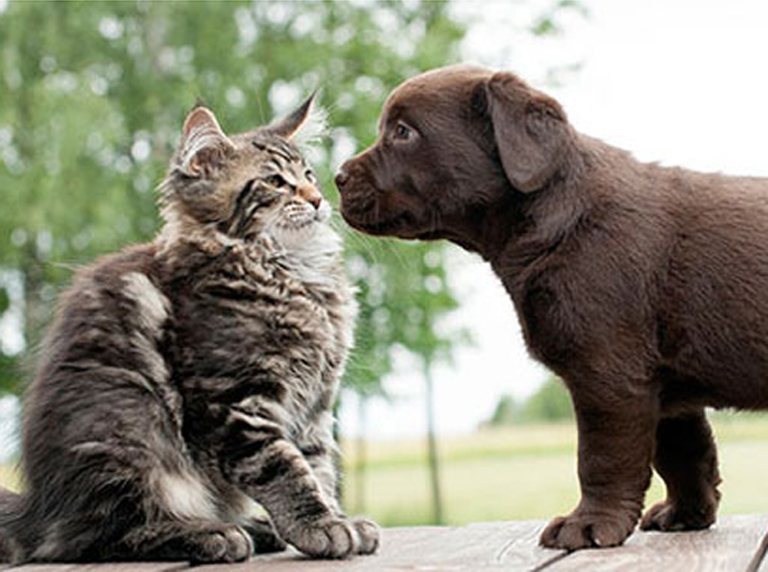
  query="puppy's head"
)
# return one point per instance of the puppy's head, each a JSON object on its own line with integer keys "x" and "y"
{"x": 450, "y": 141}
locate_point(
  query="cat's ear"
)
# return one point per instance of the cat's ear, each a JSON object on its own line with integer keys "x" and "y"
{"x": 204, "y": 145}
{"x": 307, "y": 117}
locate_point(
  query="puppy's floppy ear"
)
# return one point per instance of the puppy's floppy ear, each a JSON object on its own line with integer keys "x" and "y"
{"x": 530, "y": 129}
{"x": 203, "y": 143}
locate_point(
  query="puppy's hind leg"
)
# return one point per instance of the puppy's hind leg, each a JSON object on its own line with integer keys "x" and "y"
{"x": 686, "y": 459}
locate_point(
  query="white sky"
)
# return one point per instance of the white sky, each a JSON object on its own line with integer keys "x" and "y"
{"x": 681, "y": 82}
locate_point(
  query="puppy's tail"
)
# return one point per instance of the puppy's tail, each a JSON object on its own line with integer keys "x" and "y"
{"x": 11, "y": 507}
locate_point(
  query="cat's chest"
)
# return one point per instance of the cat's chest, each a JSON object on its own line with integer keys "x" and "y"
{"x": 263, "y": 316}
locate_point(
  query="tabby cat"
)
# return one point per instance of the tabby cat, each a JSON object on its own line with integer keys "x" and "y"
{"x": 186, "y": 380}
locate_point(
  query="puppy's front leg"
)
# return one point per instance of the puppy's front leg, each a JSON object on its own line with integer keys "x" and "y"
{"x": 616, "y": 436}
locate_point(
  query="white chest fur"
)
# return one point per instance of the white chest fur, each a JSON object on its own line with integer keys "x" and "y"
{"x": 314, "y": 254}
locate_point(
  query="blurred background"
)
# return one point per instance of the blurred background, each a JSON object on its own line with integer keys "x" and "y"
{"x": 443, "y": 418}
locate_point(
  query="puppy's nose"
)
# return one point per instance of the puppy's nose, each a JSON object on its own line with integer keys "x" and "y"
{"x": 342, "y": 177}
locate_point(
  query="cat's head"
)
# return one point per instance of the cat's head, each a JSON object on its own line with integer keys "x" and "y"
{"x": 243, "y": 185}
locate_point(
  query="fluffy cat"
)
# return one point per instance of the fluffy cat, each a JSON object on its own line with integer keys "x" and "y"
{"x": 184, "y": 379}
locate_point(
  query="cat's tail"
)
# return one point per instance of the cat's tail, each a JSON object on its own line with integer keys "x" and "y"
{"x": 10, "y": 508}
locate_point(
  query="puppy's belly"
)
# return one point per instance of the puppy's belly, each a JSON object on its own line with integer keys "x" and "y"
{"x": 733, "y": 377}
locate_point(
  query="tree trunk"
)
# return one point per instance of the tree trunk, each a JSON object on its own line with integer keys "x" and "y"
{"x": 434, "y": 466}
{"x": 361, "y": 456}
{"x": 36, "y": 311}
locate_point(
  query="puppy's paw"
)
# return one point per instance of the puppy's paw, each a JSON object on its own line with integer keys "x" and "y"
{"x": 583, "y": 529}
{"x": 668, "y": 516}
{"x": 329, "y": 537}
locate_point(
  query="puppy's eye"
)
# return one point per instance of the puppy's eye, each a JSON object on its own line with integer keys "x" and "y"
{"x": 276, "y": 181}
{"x": 403, "y": 132}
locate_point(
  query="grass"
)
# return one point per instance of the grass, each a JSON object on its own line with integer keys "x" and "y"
{"x": 529, "y": 472}
{"x": 525, "y": 472}
{"x": 9, "y": 477}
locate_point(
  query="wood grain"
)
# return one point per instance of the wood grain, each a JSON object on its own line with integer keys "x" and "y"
{"x": 481, "y": 546}
{"x": 728, "y": 546}
{"x": 736, "y": 543}
{"x": 105, "y": 567}
{"x": 760, "y": 561}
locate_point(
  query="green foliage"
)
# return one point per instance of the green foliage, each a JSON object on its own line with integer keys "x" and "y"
{"x": 506, "y": 413}
{"x": 548, "y": 22}
{"x": 9, "y": 373}
{"x": 92, "y": 99}
{"x": 551, "y": 403}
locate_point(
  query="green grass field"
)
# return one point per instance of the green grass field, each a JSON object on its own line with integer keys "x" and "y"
{"x": 9, "y": 477}
{"x": 529, "y": 472}
{"x": 525, "y": 472}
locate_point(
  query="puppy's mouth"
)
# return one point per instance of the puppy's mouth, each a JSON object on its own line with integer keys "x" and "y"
{"x": 364, "y": 212}
{"x": 383, "y": 227}
{"x": 403, "y": 225}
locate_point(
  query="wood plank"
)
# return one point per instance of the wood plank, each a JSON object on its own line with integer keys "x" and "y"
{"x": 729, "y": 546}
{"x": 735, "y": 543}
{"x": 517, "y": 544}
{"x": 106, "y": 567}
{"x": 760, "y": 561}
{"x": 482, "y": 546}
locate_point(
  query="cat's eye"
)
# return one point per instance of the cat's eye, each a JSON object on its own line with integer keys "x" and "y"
{"x": 277, "y": 181}
{"x": 310, "y": 176}
{"x": 402, "y": 132}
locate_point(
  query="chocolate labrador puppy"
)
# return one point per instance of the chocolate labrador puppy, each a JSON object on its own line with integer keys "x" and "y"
{"x": 644, "y": 287}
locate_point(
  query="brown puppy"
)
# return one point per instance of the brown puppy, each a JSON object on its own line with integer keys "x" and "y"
{"x": 645, "y": 288}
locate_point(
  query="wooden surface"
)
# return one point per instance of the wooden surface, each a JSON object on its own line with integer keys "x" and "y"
{"x": 735, "y": 543}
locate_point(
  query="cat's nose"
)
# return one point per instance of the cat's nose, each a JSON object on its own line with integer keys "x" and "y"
{"x": 311, "y": 195}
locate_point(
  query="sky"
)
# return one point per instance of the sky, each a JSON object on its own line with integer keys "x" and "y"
{"x": 679, "y": 82}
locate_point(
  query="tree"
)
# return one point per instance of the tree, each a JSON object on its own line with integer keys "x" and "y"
{"x": 550, "y": 404}
{"x": 426, "y": 285}
{"x": 506, "y": 412}
{"x": 93, "y": 103}
{"x": 91, "y": 108}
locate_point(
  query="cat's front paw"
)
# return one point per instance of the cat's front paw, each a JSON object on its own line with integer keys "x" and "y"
{"x": 265, "y": 539}
{"x": 334, "y": 537}
{"x": 224, "y": 543}
{"x": 369, "y": 534}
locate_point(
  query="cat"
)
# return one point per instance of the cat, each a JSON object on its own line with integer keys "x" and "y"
{"x": 188, "y": 381}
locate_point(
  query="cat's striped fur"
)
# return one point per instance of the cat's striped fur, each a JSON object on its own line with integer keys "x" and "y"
{"x": 185, "y": 380}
